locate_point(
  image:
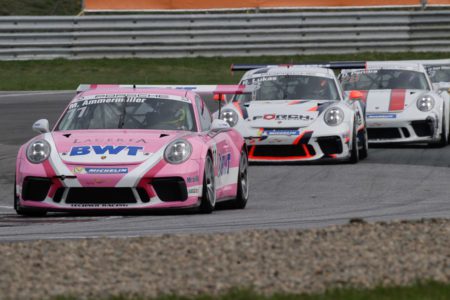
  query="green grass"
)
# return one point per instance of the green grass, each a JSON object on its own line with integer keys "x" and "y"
{"x": 67, "y": 74}
{"x": 424, "y": 291}
{"x": 39, "y": 7}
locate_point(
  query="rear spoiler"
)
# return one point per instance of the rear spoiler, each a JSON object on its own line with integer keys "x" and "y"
{"x": 224, "y": 89}
{"x": 328, "y": 65}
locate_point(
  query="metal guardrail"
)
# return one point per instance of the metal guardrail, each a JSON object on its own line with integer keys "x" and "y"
{"x": 191, "y": 35}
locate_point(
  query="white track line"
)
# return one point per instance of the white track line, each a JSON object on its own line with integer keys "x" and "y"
{"x": 6, "y": 207}
{"x": 36, "y": 93}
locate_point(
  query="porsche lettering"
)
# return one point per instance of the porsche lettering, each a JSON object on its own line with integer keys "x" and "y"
{"x": 282, "y": 117}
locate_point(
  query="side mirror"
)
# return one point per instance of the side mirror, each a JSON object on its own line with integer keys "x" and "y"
{"x": 355, "y": 95}
{"x": 219, "y": 124}
{"x": 220, "y": 97}
{"x": 41, "y": 126}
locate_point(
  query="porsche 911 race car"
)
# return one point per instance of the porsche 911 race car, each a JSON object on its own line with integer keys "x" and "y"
{"x": 438, "y": 70}
{"x": 119, "y": 148}
{"x": 296, "y": 113}
{"x": 401, "y": 105}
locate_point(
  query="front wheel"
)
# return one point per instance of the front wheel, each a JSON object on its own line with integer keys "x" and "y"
{"x": 354, "y": 151}
{"x": 243, "y": 190}
{"x": 443, "y": 141}
{"x": 364, "y": 151}
{"x": 208, "y": 200}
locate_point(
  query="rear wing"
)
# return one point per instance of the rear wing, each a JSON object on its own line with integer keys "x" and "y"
{"x": 327, "y": 65}
{"x": 427, "y": 63}
{"x": 223, "y": 89}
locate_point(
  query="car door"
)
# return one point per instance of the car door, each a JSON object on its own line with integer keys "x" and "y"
{"x": 222, "y": 151}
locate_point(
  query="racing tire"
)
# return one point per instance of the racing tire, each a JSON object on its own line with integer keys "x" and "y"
{"x": 242, "y": 190}
{"x": 364, "y": 151}
{"x": 444, "y": 137}
{"x": 354, "y": 152}
{"x": 208, "y": 199}
{"x": 26, "y": 212}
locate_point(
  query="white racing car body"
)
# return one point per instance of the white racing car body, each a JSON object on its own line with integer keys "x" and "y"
{"x": 401, "y": 104}
{"x": 297, "y": 113}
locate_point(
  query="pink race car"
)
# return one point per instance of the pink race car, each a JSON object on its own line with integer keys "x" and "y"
{"x": 120, "y": 148}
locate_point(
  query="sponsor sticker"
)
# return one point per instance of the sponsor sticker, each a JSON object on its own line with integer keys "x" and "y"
{"x": 81, "y": 170}
{"x": 194, "y": 191}
{"x": 224, "y": 164}
{"x": 381, "y": 116}
{"x": 106, "y": 170}
{"x": 103, "y": 205}
{"x": 99, "y": 150}
{"x": 281, "y": 132}
{"x": 192, "y": 179}
{"x": 282, "y": 117}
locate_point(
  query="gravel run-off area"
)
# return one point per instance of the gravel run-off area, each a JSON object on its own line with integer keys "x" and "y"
{"x": 292, "y": 261}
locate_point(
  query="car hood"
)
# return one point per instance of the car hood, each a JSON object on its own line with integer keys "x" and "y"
{"x": 284, "y": 114}
{"x": 106, "y": 147}
{"x": 390, "y": 100}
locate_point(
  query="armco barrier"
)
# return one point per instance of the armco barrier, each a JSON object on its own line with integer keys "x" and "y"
{"x": 191, "y": 35}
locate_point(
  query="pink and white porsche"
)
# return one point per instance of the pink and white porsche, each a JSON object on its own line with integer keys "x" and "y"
{"x": 118, "y": 148}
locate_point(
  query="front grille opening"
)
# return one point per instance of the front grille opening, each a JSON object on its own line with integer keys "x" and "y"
{"x": 406, "y": 133}
{"x": 423, "y": 128}
{"x": 170, "y": 189}
{"x": 311, "y": 149}
{"x": 383, "y": 133}
{"x": 330, "y": 145}
{"x": 100, "y": 196}
{"x": 36, "y": 188}
{"x": 278, "y": 150}
{"x": 58, "y": 195}
{"x": 143, "y": 195}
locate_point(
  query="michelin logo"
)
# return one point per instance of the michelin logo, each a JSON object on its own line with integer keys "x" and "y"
{"x": 281, "y": 132}
{"x": 81, "y": 170}
{"x": 381, "y": 116}
{"x": 106, "y": 170}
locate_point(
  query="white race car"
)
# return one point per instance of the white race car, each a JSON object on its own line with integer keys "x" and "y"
{"x": 401, "y": 105}
{"x": 438, "y": 70}
{"x": 296, "y": 113}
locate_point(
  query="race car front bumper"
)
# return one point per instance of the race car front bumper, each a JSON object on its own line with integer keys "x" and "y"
{"x": 168, "y": 187}
{"x": 403, "y": 130}
{"x": 307, "y": 146}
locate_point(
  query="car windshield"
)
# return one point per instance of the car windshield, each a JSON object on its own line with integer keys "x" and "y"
{"x": 439, "y": 74}
{"x": 290, "y": 87}
{"x": 379, "y": 79}
{"x": 128, "y": 112}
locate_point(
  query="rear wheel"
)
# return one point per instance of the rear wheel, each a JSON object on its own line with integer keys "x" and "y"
{"x": 242, "y": 191}
{"x": 26, "y": 212}
{"x": 208, "y": 200}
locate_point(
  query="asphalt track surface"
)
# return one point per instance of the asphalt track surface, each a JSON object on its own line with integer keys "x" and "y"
{"x": 409, "y": 182}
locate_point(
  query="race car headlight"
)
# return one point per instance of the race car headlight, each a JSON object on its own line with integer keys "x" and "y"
{"x": 38, "y": 151}
{"x": 230, "y": 116}
{"x": 178, "y": 152}
{"x": 334, "y": 116}
{"x": 425, "y": 103}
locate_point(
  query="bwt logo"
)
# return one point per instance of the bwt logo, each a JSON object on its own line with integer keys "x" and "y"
{"x": 99, "y": 150}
